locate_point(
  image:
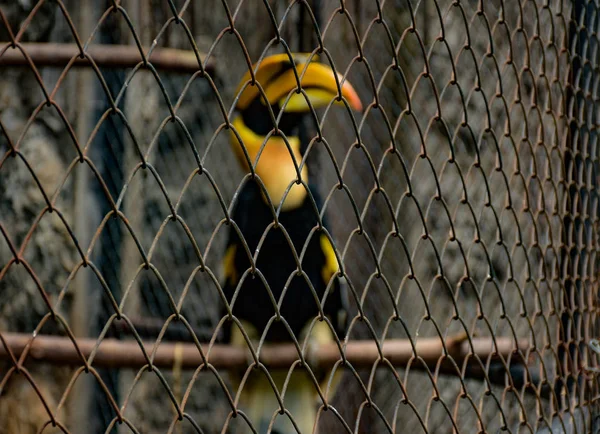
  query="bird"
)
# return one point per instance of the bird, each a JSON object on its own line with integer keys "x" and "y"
{"x": 283, "y": 270}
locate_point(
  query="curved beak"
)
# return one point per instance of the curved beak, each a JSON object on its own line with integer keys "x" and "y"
{"x": 319, "y": 82}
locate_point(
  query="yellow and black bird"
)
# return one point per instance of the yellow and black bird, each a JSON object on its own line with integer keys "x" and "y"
{"x": 279, "y": 284}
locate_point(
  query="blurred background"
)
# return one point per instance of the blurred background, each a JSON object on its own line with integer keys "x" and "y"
{"x": 470, "y": 207}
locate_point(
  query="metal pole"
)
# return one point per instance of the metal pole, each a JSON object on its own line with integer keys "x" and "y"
{"x": 115, "y": 353}
{"x": 105, "y": 56}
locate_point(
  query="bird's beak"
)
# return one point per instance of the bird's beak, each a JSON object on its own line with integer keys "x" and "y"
{"x": 278, "y": 80}
{"x": 319, "y": 84}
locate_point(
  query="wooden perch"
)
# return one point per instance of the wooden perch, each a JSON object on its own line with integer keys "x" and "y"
{"x": 105, "y": 56}
{"x": 114, "y": 353}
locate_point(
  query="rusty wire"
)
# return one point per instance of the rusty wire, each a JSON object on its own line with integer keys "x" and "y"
{"x": 465, "y": 195}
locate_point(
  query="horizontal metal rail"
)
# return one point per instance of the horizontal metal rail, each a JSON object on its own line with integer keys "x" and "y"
{"x": 129, "y": 354}
{"x": 105, "y": 56}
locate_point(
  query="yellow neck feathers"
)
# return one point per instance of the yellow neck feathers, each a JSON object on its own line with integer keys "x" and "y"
{"x": 275, "y": 164}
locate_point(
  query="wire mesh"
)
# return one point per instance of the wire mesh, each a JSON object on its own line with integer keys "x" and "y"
{"x": 463, "y": 202}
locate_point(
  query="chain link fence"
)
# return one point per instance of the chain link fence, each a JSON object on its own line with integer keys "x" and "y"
{"x": 463, "y": 203}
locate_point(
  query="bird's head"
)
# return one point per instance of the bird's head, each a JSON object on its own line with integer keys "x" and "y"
{"x": 277, "y": 92}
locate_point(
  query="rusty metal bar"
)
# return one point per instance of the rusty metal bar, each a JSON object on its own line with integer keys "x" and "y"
{"x": 107, "y": 56}
{"x": 114, "y": 353}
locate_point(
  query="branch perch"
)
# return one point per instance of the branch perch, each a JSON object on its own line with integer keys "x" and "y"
{"x": 115, "y": 353}
{"x": 105, "y": 56}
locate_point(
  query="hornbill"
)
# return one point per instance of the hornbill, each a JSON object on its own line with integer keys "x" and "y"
{"x": 277, "y": 213}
